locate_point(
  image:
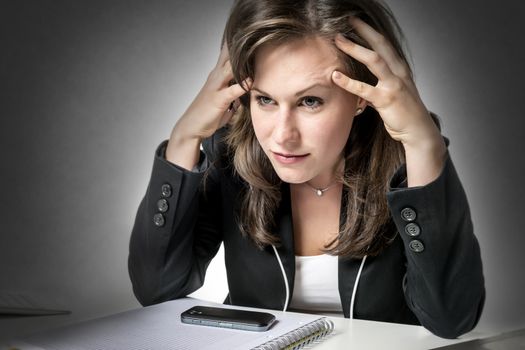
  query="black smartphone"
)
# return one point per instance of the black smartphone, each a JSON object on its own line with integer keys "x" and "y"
{"x": 228, "y": 318}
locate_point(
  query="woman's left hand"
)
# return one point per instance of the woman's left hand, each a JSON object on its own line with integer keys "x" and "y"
{"x": 396, "y": 99}
{"x": 395, "y": 96}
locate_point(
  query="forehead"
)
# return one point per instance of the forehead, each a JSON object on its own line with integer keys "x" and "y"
{"x": 301, "y": 61}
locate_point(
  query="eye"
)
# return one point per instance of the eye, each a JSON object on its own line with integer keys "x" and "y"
{"x": 312, "y": 102}
{"x": 263, "y": 100}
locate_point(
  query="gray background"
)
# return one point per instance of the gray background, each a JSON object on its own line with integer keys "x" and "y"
{"x": 89, "y": 89}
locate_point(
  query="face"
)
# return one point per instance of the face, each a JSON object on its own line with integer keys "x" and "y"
{"x": 301, "y": 119}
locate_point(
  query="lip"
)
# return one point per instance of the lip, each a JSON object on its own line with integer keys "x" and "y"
{"x": 285, "y": 158}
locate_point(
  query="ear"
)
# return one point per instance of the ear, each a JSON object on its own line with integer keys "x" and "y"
{"x": 360, "y": 105}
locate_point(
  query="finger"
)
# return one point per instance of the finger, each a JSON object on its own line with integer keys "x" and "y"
{"x": 235, "y": 91}
{"x": 232, "y": 109}
{"x": 369, "y": 58}
{"x": 227, "y": 72}
{"x": 382, "y": 46}
{"x": 234, "y": 106}
{"x": 224, "y": 55}
{"x": 220, "y": 77}
{"x": 355, "y": 87}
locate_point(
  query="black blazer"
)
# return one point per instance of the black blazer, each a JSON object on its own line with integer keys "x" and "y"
{"x": 434, "y": 279}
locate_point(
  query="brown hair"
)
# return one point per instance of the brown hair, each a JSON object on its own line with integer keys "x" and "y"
{"x": 371, "y": 155}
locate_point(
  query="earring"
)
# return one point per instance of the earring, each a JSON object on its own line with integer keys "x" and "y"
{"x": 358, "y": 111}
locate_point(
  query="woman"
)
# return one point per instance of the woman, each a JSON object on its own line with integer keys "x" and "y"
{"x": 327, "y": 179}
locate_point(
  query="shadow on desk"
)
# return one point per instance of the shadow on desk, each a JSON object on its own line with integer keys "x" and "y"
{"x": 511, "y": 340}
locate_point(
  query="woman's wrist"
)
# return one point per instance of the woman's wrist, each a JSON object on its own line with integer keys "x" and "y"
{"x": 425, "y": 159}
{"x": 183, "y": 149}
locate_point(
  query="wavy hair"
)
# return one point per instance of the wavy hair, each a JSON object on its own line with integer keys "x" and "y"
{"x": 371, "y": 155}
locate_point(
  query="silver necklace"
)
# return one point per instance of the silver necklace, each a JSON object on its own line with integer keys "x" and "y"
{"x": 320, "y": 191}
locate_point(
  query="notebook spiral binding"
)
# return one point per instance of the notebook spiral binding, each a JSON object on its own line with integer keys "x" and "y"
{"x": 309, "y": 334}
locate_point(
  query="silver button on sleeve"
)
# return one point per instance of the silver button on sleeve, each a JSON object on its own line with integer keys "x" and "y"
{"x": 416, "y": 246}
{"x": 162, "y": 205}
{"x": 166, "y": 190}
{"x": 412, "y": 229}
{"x": 408, "y": 214}
{"x": 158, "y": 219}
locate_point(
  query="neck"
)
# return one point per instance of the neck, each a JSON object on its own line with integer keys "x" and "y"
{"x": 328, "y": 179}
{"x": 321, "y": 185}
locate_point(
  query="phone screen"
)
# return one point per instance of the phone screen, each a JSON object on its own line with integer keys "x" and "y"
{"x": 228, "y": 318}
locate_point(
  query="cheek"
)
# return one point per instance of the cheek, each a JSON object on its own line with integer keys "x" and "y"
{"x": 336, "y": 127}
{"x": 337, "y": 134}
{"x": 260, "y": 126}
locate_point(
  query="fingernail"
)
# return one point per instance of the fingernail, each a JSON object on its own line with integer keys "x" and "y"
{"x": 337, "y": 75}
{"x": 340, "y": 37}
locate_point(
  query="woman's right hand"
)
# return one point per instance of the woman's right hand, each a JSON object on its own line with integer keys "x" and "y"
{"x": 209, "y": 111}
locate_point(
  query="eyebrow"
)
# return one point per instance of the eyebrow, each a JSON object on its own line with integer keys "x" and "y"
{"x": 298, "y": 92}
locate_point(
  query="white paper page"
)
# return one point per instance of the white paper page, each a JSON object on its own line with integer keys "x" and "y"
{"x": 159, "y": 327}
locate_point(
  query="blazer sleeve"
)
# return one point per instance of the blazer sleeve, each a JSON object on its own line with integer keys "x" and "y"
{"x": 177, "y": 229}
{"x": 444, "y": 283}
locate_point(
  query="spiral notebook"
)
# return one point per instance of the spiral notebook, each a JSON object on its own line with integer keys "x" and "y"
{"x": 159, "y": 327}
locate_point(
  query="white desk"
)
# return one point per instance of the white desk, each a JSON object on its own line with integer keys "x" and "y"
{"x": 363, "y": 335}
{"x": 356, "y": 334}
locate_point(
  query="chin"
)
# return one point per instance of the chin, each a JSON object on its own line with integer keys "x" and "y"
{"x": 292, "y": 177}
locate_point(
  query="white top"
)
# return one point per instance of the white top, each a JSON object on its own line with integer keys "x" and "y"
{"x": 316, "y": 285}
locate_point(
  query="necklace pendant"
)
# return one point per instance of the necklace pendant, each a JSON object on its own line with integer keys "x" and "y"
{"x": 319, "y": 192}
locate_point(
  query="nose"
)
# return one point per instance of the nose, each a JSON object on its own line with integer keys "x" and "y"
{"x": 285, "y": 131}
